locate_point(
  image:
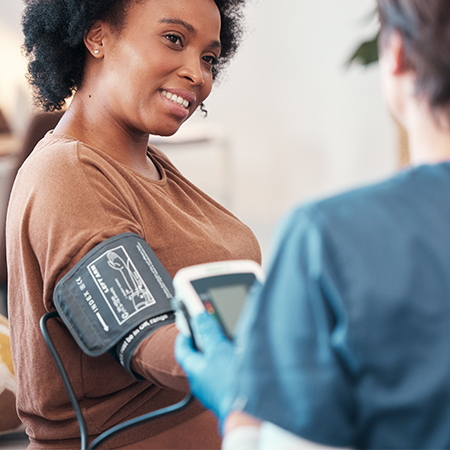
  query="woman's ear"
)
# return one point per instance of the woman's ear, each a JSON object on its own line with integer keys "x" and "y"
{"x": 93, "y": 39}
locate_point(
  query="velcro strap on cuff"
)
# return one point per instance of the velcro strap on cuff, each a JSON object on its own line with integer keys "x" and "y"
{"x": 125, "y": 349}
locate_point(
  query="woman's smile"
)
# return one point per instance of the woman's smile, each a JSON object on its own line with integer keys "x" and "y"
{"x": 179, "y": 101}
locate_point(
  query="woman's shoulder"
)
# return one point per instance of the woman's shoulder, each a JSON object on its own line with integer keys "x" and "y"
{"x": 60, "y": 167}
{"x": 54, "y": 154}
{"x": 63, "y": 183}
{"x": 60, "y": 157}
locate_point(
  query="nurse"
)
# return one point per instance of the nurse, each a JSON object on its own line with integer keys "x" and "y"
{"x": 347, "y": 343}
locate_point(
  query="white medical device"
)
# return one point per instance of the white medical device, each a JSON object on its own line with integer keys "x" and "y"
{"x": 219, "y": 288}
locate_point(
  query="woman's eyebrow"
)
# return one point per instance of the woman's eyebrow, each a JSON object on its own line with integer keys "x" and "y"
{"x": 184, "y": 24}
{"x": 188, "y": 27}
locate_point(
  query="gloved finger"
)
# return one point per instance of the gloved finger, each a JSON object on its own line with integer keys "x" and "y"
{"x": 185, "y": 354}
{"x": 210, "y": 331}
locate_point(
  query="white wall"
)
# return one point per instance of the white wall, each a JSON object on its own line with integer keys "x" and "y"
{"x": 302, "y": 123}
{"x": 299, "y": 122}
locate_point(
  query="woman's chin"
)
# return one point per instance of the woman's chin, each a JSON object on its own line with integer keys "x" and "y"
{"x": 166, "y": 131}
{"x": 163, "y": 134}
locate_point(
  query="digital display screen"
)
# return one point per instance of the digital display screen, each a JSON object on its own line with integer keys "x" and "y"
{"x": 228, "y": 301}
{"x": 224, "y": 296}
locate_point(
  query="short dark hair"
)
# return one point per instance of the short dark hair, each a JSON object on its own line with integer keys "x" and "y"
{"x": 54, "y": 32}
{"x": 425, "y": 29}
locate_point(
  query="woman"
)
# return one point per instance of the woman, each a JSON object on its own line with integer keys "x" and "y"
{"x": 347, "y": 343}
{"x": 136, "y": 68}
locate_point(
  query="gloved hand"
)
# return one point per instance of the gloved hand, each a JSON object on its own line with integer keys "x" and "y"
{"x": 211, "y": 373}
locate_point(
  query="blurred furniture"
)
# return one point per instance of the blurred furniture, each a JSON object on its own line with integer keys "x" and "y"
{"x": 403, "y": 145}
{"x": 9, "y": 143}
{"x": 17, "y": 152}
{"x": 12, "y": 431}
{"x": 4, "y": 127}
{"x": 9, "y": 421}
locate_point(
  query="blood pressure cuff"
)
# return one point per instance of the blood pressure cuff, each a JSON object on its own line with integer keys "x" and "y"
{"x": 114, "y": 297}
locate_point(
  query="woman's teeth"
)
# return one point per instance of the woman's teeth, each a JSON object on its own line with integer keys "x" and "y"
{"x": 176, "y": 99}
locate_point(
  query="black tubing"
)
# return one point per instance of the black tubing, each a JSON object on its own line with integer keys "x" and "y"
{"x": 108, "y": 434}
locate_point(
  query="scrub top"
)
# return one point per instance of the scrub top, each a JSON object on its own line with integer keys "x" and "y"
{"x": 348, "y": 341}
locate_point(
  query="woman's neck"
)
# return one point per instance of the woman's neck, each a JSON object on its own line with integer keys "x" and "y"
{"x": 93, "y": 127}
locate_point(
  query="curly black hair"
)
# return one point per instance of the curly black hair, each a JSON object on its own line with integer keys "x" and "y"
{"x": 54, "y": 32}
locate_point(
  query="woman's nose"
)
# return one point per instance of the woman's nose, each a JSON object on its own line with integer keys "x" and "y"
{"x": 193, "y": 71}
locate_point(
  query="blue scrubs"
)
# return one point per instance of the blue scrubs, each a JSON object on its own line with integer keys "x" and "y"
{"x": 348, "y": 341}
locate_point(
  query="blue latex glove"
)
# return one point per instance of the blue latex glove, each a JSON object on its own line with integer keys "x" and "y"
{"x": 211, "y": 373}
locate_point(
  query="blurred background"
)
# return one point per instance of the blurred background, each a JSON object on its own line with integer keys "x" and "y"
{"x": 288, "y": 122}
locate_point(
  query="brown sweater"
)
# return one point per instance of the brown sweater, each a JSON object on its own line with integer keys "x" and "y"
{"x": 67, "y": 198}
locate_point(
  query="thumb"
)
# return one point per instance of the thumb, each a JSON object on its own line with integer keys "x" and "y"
{"x": 185, "y": 354}
{"x": 209, "y": 329}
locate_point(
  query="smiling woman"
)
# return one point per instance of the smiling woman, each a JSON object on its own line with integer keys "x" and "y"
{"x": 134, "y": 68}
{"x": 162, "y": 46}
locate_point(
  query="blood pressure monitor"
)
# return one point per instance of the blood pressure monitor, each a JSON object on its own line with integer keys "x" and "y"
{"x": 219, "y": 288}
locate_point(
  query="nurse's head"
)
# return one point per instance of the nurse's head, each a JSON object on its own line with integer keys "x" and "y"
{"x": 414, "y": 49}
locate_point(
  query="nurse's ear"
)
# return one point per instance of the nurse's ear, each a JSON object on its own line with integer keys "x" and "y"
{"x": 94, "y": 37}
{"x": 392, "y": 53}
{"x": 398, "y": 78}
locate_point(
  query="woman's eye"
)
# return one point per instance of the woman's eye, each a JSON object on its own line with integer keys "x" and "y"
{"x": 212, "y": 60}
{"x": 174, "y": 38}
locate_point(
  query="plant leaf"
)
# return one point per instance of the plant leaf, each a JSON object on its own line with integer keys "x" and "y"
{"x": 366, "y": 53}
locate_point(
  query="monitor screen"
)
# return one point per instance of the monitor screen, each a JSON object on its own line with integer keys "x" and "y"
{"x": 224, "y": 296}
{"x": 228, "y": 301}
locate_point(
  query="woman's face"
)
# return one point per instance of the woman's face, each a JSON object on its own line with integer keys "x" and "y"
{"x": 158, "y": 70}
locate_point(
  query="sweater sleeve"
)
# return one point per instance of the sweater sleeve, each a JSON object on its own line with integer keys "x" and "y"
{"x": 67, "y": 205}
{"x": 158, "y": 366}
{"x": 76, "y": 203}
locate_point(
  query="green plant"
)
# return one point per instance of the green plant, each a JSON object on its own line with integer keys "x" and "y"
{"x": 367, "y": 52}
